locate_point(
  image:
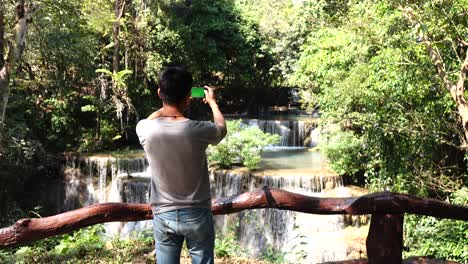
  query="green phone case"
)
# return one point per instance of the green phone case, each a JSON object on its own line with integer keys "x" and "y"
{"x": 198, "y": 92}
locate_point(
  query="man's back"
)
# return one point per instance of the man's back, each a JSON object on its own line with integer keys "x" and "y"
{"x": 176, "y": 155}
{"x": 180, "y": 187}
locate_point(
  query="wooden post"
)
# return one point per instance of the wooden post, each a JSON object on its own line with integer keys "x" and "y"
{"x": 385, "y": 239}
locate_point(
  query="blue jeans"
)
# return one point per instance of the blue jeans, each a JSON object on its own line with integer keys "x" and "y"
{"x": 193, "y": 224}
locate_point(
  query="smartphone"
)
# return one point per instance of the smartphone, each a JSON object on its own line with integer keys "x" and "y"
{"x": 198, "y": 92}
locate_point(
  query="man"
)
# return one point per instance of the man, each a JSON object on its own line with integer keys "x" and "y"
{"x": 180, "y": 188}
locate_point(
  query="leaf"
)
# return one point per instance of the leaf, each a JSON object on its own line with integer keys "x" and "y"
{"x": 88, "y": 108}
{"x": 105, "y": 71}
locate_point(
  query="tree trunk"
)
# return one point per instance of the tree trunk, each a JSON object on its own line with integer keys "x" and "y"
{"x": 462, "y": 104}
{"x": 24, "y": 13}
{"x": 3, "y": 76}
{"x": 26, "y": 230}
{"x": 2, "y": 36}
{"x": 97, "y": 136}
{"x": 119, "y": 7}
{"x": 457, "y": 89}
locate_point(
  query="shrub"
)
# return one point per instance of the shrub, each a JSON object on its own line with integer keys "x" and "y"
{"x": 343, "y": 149}
{"x": 226, "y": 245}
{"x": 87, "y": 245}
{"x": 441, "y": 238}
{"x": 242, "y": 145}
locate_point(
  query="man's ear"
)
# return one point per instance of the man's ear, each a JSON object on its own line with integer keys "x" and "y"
{"x": 159, "y": 93}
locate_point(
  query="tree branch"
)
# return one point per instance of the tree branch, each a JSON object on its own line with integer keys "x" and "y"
{"x": 461, "y": 79}
{"x": 434, "y": 54}
{"x": 457, "y": 91}
{"x": 26, "y": 230}
{"x": 2, "y": 37}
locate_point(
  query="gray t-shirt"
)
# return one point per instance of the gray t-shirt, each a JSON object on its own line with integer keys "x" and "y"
{"x": 176, "y": 152}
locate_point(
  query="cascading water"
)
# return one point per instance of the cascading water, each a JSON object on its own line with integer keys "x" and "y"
{"x": 99, "y": 179}
{"x": 293, "y": 133}
{"x": 89, "y": 179}
{"x": 305, "y": 238}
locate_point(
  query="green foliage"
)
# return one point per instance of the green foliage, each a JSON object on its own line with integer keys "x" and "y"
{"x": 369, "y": 76}
{"x": 88, "y": 245}
{"x": 20, "y": 148}
{"x": 85, "y": 240}
{"x": 80, "y": 243}
{"x": 226, "y": 245}
{"x": 360, "y": 62}
{"x": 442, "y": 238}
{"x": 396, "y": 125}
{"x": 63, "y": 81}
{"x": 272, "y": 256}
{"x": 242, "y": 145}
{"x": 343, "y": 150}
{"x": 285, "y": 25}
{"x": 118, "y": 78}
{"x": 25, "y": 167}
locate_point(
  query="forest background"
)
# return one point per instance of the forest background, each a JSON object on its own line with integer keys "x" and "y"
{"x": 78, "y": 75}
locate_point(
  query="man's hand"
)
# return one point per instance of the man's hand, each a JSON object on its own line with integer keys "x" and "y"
{"x": 209, "y": 96}
{"x": 155, "y": 114}
{"x": 218, "y": 117}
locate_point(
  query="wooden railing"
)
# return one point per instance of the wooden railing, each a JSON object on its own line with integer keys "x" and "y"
{"x": 384, "y": 242}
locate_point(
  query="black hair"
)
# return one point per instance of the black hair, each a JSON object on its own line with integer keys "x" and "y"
{"x": 175, "y": 83}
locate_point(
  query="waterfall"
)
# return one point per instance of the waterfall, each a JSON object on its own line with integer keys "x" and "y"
{"x": 304, "y": 238}
{"x": 307, "y": 238}
{"x": 93, "y": 179}
{"x": 293, "y": 133}
{"x": 291, "y": 232}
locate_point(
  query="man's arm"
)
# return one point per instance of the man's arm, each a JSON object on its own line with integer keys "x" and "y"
{"x": 218, "y": 117}
{"x": 155, "y": 114}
